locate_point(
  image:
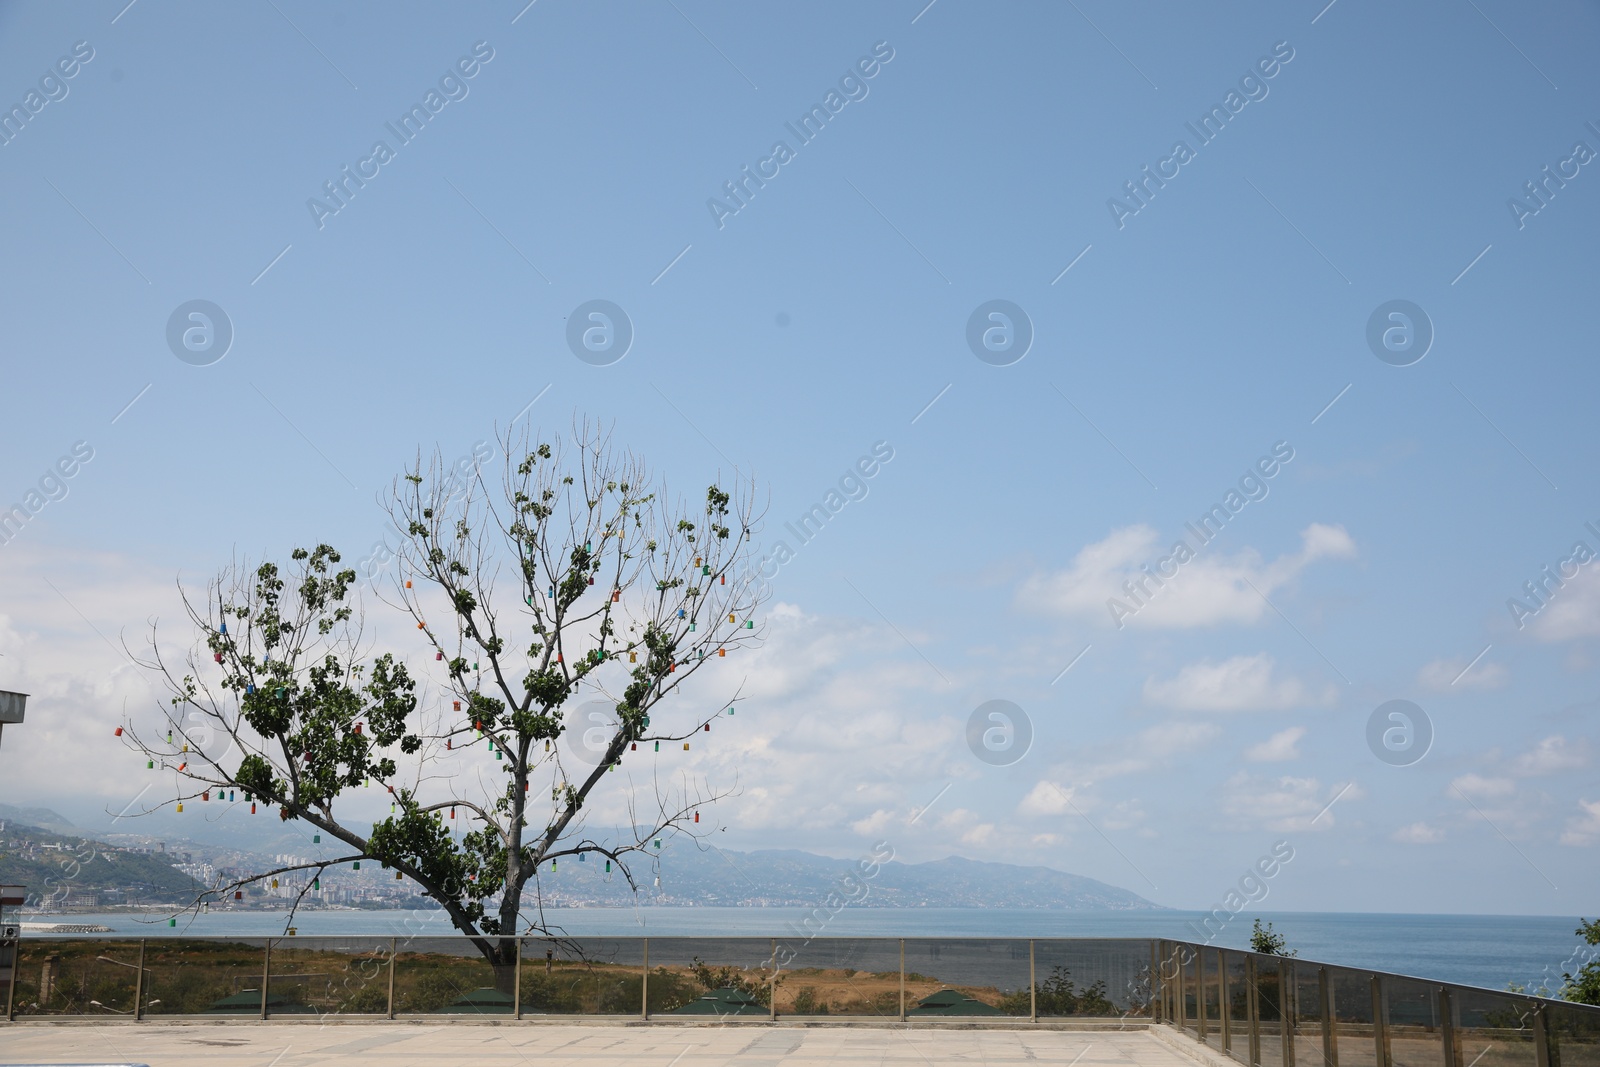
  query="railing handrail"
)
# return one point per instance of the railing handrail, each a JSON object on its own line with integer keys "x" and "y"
{"x": 1374, "y": 972}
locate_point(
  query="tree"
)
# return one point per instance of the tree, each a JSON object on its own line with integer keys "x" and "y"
{"x": 1264, "y": 941}
{"x": 619, "y": 594}
{"x": 1585, "y": 987}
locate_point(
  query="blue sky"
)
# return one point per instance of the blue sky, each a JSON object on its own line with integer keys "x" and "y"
{"x": 1181, "y": 347}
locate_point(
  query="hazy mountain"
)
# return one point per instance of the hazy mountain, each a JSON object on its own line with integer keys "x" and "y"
{"x": 689, "y": 875}
{"x": 43, "y": 818}
{"x": 787, "y": 877}
{"x": 74, "y": 869}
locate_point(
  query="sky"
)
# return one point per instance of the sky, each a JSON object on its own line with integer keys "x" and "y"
{"x": 1341, "y": 301}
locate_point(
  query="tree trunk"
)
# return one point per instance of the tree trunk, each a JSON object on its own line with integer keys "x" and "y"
{"x": 504, "y": 961}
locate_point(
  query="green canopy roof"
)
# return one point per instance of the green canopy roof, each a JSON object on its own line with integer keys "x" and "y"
{"x": 248, "y": 1002}
{"x": 725, "y": 1001}
{"x": 951, "y": 1002}
{"x": 483, "y": 1001}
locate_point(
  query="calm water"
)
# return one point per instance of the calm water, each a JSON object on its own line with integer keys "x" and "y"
{"x": 1482, "y": 950}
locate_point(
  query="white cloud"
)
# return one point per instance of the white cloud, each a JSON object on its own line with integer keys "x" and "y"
{"x": 1446, "y": 675}
{"x": 1418, "y": 833}
{"x": 1551, "y": 756}
{"x": 1476, "y": 785}
{"x": 1571, "y": 611}
{"x": 1284, "y": 804}
{"x": 1152, "y": 747}
{"x": 1583, "y": 829}
{"x": 1242, "y": 683}
{"x": 874, "y": 825}
{"x": 1046, "y": 798}
{"x": 1211, "y": 588}
{"x": 1279, "y": 748}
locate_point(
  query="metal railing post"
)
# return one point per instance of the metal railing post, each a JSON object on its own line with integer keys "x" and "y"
{"x": 1175, "y": 990}
{"x": 1447, "y": 1029}
{"x": 1033, "y": 984}
{"x": 1286, "y": 1009}
{"x": 1158, "y": 993}
{"x": 774, "y": 987}
{"x": 903, "y": 979}
{"x": 1200, "y": 994}
{"x": 11, "y": 987}
{"x": 1182, "y": 1011}
{"x": 266, "y": 975}
{"x": 1541, "y": 1038}
{"x": 516, "y": 984}
{"x": 1252, "y": 1001}
{"x": 138, "y": 985}
{"x": 644, "y": 984}
{"x": 1330, "y": 1019}
{"x": 1224, "y": 1001}
{"x": 1380, "y": 1024}
{"x": 390, "y": 1010}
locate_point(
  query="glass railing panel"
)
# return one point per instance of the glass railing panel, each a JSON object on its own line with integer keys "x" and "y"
{"x": 1351, "y": 992}
{"x": 583, "y": 976}
{"x": 329, "y": 976}
{"x": 1308, "y": 1021}
{"x": 846, "y": 976}
{"x": 713, "y": 976}
{"x": 1236, "y": 1041}
{"x": 74, "y": 977}
{"x": 1494, "y": 1029}
{"x": 190, "y": 976}
{"x": 1574, "y": 1035}
{"x": 1412, "y": 1012}
{"x": 1211, "y": 988}
{"x": 1213, "y": 967}
{"x": 1190, "y": 961}
{"x": 1269, "y": 998}
{"x": 1172, "y": 972}
{"x": 449, "y": 976}
{"x": 1102, "y": 979}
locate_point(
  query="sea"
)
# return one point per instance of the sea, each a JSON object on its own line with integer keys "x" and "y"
{"x": 1489, "y": 951}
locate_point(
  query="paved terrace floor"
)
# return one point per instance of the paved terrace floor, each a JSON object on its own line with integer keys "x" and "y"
{"x": 545, "y": 1045}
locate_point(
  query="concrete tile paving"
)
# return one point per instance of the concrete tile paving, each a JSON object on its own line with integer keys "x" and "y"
{"x": 544, "y": 1045}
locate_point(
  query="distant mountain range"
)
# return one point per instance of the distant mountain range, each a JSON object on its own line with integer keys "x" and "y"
{"x": 43, "y": 818}
{"x": 792, "y": 878}
{"x": 45, "y": 854}
{"x": 694, "y": 876}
